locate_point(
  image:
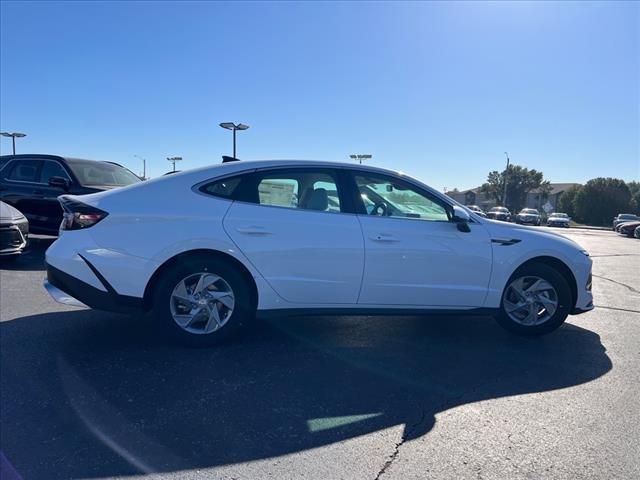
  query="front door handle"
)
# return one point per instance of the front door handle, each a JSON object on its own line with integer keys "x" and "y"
{"x": 253, "y": 230}
{"x": 384, "y": 238}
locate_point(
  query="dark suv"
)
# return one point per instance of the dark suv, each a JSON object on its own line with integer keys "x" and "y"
{"x": 32, "y": 183}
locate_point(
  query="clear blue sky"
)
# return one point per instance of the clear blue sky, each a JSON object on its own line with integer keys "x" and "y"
{"x": 438, "y": 90}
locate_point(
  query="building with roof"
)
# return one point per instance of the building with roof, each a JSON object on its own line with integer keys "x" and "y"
{"x": 475, "y": 196}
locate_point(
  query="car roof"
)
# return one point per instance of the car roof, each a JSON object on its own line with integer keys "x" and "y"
{"x": 47, "y": 156}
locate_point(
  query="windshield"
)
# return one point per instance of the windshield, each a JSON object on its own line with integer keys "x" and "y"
{"x": 561, "y": 215}
{"x": 101, "y": 173}
{"x": 627, "y": 216}
{"x": 499, "y": 209}
{"x": 529, "y": 210}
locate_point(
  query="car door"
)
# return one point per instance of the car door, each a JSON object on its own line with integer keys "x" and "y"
{"x": 414, "y": 254}
{"x": 294, "y": 226}
{"x": 20, "y": 188}
{"x": 47, "y": 201}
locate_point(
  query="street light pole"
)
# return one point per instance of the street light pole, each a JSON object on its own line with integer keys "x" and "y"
{"x": 173, "y": 161}
{"x": 506, "y": 172}
{"x": 13, "y": 136}
{"x": 360, "y": 157}
{"x": 234, "y": 127}
{"x": 144, "y": 166}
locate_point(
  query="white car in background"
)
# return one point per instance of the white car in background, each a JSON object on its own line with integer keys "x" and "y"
{"x": 205, "y": 250}
{"x": 558, "y": 220}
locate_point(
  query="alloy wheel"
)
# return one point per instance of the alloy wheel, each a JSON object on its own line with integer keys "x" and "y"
{"x": 202, "y": 303}
{"x": 530, "y": 300}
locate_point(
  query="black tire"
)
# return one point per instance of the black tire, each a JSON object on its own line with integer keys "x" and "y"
{"x": 244, "y": 309}
{"x": 565, "y": 301}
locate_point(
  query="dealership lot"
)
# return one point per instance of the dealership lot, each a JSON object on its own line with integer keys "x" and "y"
{"x": 93, "y": 394}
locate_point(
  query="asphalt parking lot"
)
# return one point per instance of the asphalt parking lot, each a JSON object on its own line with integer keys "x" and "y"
{"x": 87, "y": 394}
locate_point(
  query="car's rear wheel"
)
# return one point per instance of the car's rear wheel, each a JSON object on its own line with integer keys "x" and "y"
{"x": 202, "y": 301}
{"x": 537, "y": 300}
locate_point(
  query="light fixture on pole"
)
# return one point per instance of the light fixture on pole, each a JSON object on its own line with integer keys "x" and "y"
{"x": 173, "y": 161}
{"x": 144, "y": 166}
{"x": 360, "y": 157}
{"x": 13, "y": 136}
{"x": 506, "y": 172}
{"x": 233, "y": 127}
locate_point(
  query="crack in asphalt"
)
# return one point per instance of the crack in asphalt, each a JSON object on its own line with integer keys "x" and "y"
{"x": 615, "y": 255}
{"x": 452, "y": 401}
{"x": 618, "y": 283}
{"x": 619, "y": 309}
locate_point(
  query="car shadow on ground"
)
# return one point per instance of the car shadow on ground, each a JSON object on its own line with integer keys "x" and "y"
{"x": 91, "y": 394}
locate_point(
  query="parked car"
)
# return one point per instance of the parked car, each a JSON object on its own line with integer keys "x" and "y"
{"x": 558, "y": 219}
{"x": 499, "y": 213}
{"x": 204, "y": 250}
{"x": 477, "y": 209}
{"x": 14, "y": 232}
{"x": 636, "y": 232}
{"x": 528, "y": 216}
{"x": 624, "y": 217}
{"x": 628, "y": 228}
{"x": 32, "y": 183}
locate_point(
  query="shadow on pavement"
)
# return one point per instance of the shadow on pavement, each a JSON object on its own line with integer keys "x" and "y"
{"x": 90, "y": 394}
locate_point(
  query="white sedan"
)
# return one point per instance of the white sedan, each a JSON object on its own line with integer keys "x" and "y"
{"x": 205, "y": 250}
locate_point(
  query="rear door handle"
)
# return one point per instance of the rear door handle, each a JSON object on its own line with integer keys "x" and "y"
{"x": 384, "y": 238}
{"x": 253, "y": 230}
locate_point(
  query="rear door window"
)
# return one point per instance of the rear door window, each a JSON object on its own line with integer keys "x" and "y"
{"x": 304, "y": 189}
{"x": 24, "y": 171}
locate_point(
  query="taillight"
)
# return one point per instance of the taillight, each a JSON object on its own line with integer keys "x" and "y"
{"x": 78, "y": 215}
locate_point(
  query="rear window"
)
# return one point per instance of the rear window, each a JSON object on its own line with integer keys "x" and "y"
{"x": 102, "y": 173}
{"x": 224, "y": 188}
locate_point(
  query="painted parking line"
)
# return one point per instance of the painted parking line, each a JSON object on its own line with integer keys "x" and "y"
{"x": 7, "y": 472}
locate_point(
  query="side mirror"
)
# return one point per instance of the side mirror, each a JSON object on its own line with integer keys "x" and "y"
{"x": 461, "y": 218}
{"x": 59, "y": 182}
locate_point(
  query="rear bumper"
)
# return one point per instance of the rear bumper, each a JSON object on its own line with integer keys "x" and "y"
{"x": 69, "y": 290}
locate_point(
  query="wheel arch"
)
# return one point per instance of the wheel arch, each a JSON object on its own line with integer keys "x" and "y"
{"x": 557, "y": 265}
{"x": 148, "y": 291}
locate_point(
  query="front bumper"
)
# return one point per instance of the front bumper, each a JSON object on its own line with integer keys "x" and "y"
{"x": 13, "y": 238}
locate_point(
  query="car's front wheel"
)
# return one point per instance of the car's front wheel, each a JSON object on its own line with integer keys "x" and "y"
{"x": 536, "y": 300}
{"x": 202, "y": 301}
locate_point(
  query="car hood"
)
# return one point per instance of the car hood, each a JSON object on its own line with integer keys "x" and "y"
{"x": 522, "y": 232}
{"x": 9, "y": 214}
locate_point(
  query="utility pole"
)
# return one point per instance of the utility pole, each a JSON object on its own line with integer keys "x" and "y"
{"x": 360, "y": 157}
{"x": 173, "y": 161}
{"x": 144, "y": 166}
{"x": 506, "y": 172}
{"x": 13, "y": 136}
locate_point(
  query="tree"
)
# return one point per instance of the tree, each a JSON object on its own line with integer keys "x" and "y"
{"x": 520, "y": 181}
{"x": 566, "y": 201}
{"x": 601, "y": 199}
{"x": 634, "y": 204}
